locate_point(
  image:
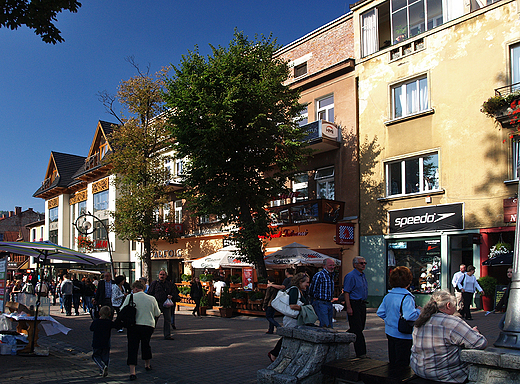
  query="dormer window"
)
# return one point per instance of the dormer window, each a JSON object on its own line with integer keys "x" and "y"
{"x": 300, "y": 70}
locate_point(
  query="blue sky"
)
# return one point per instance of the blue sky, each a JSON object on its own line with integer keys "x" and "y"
{"x": 48, "y": 93}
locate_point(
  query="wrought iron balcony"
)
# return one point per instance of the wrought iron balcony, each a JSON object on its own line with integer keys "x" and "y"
{"x": 322, "y": 135}
{"x": 508, "y": 89}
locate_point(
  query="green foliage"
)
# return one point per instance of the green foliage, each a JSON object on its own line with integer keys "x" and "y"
{"x": 37, "y": 15}
{"x": 496, "y": 104}
{"x": 256, "y": 295}
{"x": 206, "y": 277}
{"x": 204, "y": 301}
{"x": 236, "y": 122}
{"x": 236, "y": 279}
{"x": 137, "y": 157}
{"x": 185, "y": 277}
{"x": 262, "y": 280}
{"x": 185, "y": 290}
{"x": 488, "y": 285}
{"x": 225, "y": 298}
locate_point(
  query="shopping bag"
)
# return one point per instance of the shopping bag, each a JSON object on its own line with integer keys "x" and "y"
{"x": 281, "y": 304}
{"x": 168, "y": 303}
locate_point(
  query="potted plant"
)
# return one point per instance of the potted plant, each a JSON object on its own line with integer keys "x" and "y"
{"x": 498, "y": 249}
{"x": 225, "y": 302}
{"x": 185, "y": 278}
{"x": 204, "y": 304}
{"x": 262, "y": 283}
{"x": 488, "y": 285}
{"x": 236, "y": 281}
{"x": 205, "y": 277}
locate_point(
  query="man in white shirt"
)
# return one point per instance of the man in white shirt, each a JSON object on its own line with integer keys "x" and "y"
{"x": 468, "y": 285}
{"x": 458, "y": 294}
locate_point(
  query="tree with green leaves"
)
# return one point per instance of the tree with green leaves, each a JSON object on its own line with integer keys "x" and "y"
{"x": 39, "y": 15}
{"x": 140, "y": 144}
{"x": 236, "y": 122}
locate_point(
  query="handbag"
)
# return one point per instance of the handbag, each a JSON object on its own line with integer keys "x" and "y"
{"x": 126, "y": 316}
{"x": 281, "y": 304}
{"x": 404, "y": 326}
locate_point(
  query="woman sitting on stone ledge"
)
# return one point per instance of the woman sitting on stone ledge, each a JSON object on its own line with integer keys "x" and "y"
{"x": 438, "y": 338}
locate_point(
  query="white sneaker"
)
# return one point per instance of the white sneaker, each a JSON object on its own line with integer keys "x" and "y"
{"x": 334, "y": 321}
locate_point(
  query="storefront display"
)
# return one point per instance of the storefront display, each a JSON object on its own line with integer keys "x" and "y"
{"x": 423, "y": 257}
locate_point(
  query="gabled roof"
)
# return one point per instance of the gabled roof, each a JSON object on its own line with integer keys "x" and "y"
{"x": 65, "y": 165}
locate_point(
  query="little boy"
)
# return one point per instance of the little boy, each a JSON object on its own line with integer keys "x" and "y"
{"x": 102, "y": 329}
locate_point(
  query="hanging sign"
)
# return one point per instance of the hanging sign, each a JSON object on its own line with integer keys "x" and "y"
{"x": 345, "y": 234}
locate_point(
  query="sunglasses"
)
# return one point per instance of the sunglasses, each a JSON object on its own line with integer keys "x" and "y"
{"x": 362, "y": 263}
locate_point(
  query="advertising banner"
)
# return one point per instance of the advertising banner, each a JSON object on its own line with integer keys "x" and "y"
{"x": 431, "y": 218}
{"x": 247, "y": 278}
{"x": 3, "y": 272}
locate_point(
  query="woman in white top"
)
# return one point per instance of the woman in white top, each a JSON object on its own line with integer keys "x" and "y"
{"x": 468, "y": 285}
{"x": 118, "y": 292}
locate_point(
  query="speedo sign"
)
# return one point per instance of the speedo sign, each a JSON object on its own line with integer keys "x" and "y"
{"x": 431, "y": 218}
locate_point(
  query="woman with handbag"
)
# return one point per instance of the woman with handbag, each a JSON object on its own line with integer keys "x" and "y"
{"x": 297, "y": 298}
{"x": 147, "y": 310}
{"x": 399, "y": 307}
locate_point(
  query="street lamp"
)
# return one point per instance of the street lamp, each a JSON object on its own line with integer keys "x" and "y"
{"x": 510, "y": 336}
{"x": 85, "y": 227}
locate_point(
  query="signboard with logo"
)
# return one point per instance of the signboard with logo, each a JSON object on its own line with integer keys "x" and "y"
{"x": 3, "y": 271}
{"x": 510, "y": 210}
{"x": 431, "y": 218}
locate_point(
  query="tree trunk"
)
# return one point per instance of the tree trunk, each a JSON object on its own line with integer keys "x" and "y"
{"x": 250, "y": 230}
{"x": 147, "y": 260}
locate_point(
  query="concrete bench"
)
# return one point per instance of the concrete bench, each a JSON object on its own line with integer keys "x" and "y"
{"x": 368, "y": 371}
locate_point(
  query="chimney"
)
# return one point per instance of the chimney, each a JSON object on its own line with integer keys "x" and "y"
{"x": 11, "y": 213}
{"x": 18, "y": 210}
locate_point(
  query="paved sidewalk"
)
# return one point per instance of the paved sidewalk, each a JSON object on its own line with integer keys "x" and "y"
{"x": 211, "y": 349}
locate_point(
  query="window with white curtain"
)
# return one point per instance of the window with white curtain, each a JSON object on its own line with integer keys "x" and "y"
{"x": 178, "y": 211}
{"x": 369, "y": 33}
{"x": 325, "y": 109}
{"x": 410, "y": 97}
{"x": 417, "y": 174}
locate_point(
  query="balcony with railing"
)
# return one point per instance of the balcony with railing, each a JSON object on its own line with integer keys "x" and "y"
{"x": 307, "y": 211}
{"x": 322, "y": 135}
{"x": 504, "y": 105}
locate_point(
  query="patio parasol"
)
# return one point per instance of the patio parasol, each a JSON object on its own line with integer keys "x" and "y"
{"x": 296, "y": 254}
{"x": 227, "y": 257}
{"x": 43, "y": 251}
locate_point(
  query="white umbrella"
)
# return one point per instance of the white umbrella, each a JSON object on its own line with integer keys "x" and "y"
{"x": 296, "y": 254}
{"x": 227, "y": 257}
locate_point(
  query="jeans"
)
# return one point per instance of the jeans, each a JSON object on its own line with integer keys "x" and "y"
{"x": 101, "y": 357}
{"x": 269, "y": 315}
{"x": 67, "y": 303}
{"x": 324, "y": 310}
{"x": 357, "y": 324}
{"x": 167, "y": 314}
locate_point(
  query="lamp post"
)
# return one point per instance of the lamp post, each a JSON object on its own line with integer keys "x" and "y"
{"x": 510, "y": 335}
{"x": 85, "y": 227}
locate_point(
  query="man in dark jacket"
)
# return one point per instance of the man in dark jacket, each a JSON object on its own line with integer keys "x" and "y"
{"x": 104, "y": 291}
{"x": 162, "y": 290}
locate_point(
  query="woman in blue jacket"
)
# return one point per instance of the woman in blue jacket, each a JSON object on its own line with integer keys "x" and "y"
{"x": 399, "y": 344}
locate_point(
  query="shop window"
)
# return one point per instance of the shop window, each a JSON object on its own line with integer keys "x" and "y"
{"x": 423, "y": 257}
{"x": 325, "y": 183}
{"x": 100, "y": 235}
{"x": 53, "y": 215}
{"x": 412, "y": 175}
{"x": 125, "y": 269}
{"x": 410, "y": 98}
{"x": 325, "y": 108}
{"x": 101, "y": 201}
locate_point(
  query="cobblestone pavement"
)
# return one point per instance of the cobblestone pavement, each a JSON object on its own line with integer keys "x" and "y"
{"x": 210, "y": 349}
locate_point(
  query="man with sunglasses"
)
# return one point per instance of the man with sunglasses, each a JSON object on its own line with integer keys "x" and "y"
{"x": 356, "y": 293}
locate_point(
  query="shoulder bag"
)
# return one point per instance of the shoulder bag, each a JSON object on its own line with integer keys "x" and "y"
{"x": 126, "y": 316}
{"x": 404, "y": 326}
{"x": 281, "y": 304}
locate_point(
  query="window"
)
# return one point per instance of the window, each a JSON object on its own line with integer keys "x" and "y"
{"x": 300, "y": 184}
{"x": 82, "y": 208}
{"x": 53, "y": 215}
{"x": 53, "y": 236}
{"x": 304, "y": 117}
{"x": 325, "y": 183}
{"x": 300, "y": 70}
{"x": 204, "y": 219}
{"x": 326, "y": 109}
{"x": 166, "y": 212}
{"x": 100, "y": 235}
{"x": 178, "y": 211}
{"x": 410, "y": 97}
{"x": 516, "y": 158}
{"x": 369, "y": 33}
{"x": 412, "y": 175}
{"x": 101, "y": 201}
{"x": 515, "y": 67}
{"x": 34, "y": 234}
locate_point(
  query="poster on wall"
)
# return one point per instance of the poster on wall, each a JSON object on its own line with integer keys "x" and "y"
{"x": 3, "y": 271}
{"x": 247, "y": 278}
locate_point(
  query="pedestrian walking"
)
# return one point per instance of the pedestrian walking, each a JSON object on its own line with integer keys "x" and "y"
{"x": 162, "y": 289}
{"x": 457, "y": 276}
{"x": 270, "y": 295}
{"x": 147, "y": 310}
{"x": 102, "y": 331}
{"x": 468, "y": 286}
{"x": 438, "y": 338}
{"x": 355, "y": 288}
{"x": 196, "y": 293}
{"x": 77, "y": 292}
{"x": 103, "y": 294}
{"x": 321, "y": 292}
{"x": 67, "y": 289}
{"x": 399, "y": 302}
